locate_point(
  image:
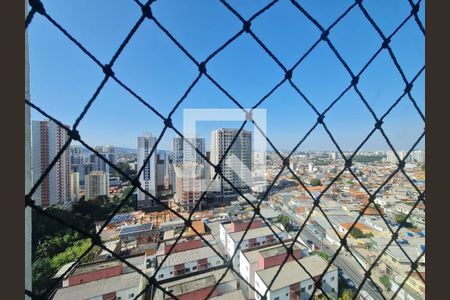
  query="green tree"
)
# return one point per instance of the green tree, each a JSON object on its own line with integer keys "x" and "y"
{"x": 385, "y": 281}
{"x": 323, "y": 255}
{"x": 400, "y": 218}
{"x": 71, "y": 254}
{"x": 125, "y": 167}
{"x": 43, "y": 271}
{"x": 357, "y": 233}
{"x": 347, "y": 294}
{"x": 285, "y": 221}
{"x": 316, "y": 182}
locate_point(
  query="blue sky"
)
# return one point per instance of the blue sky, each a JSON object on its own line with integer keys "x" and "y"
{"x": 63, "y": 78}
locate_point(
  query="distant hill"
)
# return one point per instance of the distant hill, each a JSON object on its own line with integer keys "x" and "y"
{"x": 125, "y": 150}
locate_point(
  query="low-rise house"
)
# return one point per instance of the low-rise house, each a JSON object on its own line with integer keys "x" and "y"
{"x": 294, "y": 283}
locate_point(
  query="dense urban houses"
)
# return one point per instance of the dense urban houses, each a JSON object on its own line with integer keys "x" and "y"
{"x": 48, "y": 138}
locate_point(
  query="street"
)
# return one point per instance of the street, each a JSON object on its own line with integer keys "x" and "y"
{"x": 346, "y": 263}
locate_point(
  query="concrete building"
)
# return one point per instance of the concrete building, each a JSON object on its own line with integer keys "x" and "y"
{"x": 257, "y": 235}
{"x": 418, "y": 156}
{"x": 237, "y": 166}
{"x": 188, "y": 261}
{"x": 160, "y": 171}
{"x": 183, "y": 152}
{"x": 76, "y": 155}
{"x": 107, "y": 279}
{"x": 263, "y": 257}
{"x": 100, "y": 165}
{"x": 47, "y": 140}
{"x": 189, "y": 184}
{"x": 96, "y": 184}
{"x": 148, "y": 176}
{"x": 74, "y": 186}
{"x": 198, "y": 286}
{"x": 294, "y": 283}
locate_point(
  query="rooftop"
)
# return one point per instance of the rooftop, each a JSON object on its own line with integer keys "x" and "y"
{"x": 252, "y": 254}
{"x": 96, "y": 266}
{"x": 196, "y": 282}
{"x": 98, "y": 287}
{"x": 292, "y": 272}
{"x": 254, "y": 233}
{"x": 133, "y": 229}
{"x": 272, "y": 251}
{"x": 187, "y": 256}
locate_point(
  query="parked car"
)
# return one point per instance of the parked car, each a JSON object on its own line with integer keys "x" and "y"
{"x": 349, "y": 283}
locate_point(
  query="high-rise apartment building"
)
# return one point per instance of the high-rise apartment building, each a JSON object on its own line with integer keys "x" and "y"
{"x": 237, "y": 165}
{"x": 418, "y": 156}
{"x": 100, "y": 165}
{"x": 76, "y": 155}
{"x": 160, "y": 171}
{"x": 48, "y": 138}
{"x": 96, "y": 184}
{"x": 189, "y": 184}
{"x": 148, "y": 175}
{"x": 183, "y": 151}
{"x": 74, "y": 186}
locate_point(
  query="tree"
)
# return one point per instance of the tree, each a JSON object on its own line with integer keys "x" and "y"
{"x": 71, "y": 254}
{"x": 347, "y": 294}
{"x": 285, "y": 221}
{"x": 357, "y": 233}
{"x": 316, "y": 182}
{"x": 386, "y": 282}
{"x": 323, "y": 255}
{"x": 43, "y": 272}
{"x": 125, "y": 167}
{"x": 400, "y": 218}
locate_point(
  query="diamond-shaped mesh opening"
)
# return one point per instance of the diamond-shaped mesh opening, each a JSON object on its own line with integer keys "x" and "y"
{"x": 328, "y": 235}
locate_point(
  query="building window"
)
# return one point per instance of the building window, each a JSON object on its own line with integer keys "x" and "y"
{"x": 332, "y": 278}
{"x": 187, "y": 270}
{"x": 161, "y": 275}
{"x": 194, "y": 268}
{"x": 309, "y": 286}
{"x": 302, "y": 290}
{"x": 276, "y": 298}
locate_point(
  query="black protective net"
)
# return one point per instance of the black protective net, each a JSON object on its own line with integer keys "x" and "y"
{"x": 38, "y": 11}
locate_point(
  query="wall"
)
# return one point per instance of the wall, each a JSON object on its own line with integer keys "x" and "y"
{"x": 197, "y": 294}
{"x": 308, "y": 284}
{"x": 240, "y": 226}
{"x": 95, "y": 275}
{"x": 182, "y": 246}
{"x": 169, "y": 271}
{"x": 126, "y": 293}
{"x": 276, "y": 260}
